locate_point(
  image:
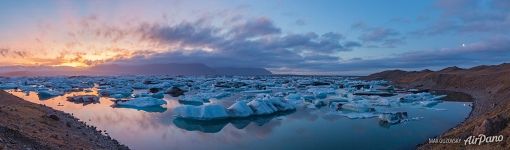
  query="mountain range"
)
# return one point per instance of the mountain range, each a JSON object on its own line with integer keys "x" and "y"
{"x": 121, "y": 69}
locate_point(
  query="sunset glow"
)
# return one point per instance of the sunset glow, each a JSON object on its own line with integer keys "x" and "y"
{"x": 286, "y": 37}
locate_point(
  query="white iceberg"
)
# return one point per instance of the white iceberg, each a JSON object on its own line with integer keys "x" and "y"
{"x": 262, "y": 107}
{"x": 420, "y": 97}
{"x": 321, "y": 92}
{"x": 428, "y": 103}
{"x": 203, "y": 112}
{"x": 240, "y": 109}
{"x": 293, "y": 97}
{"x": 142, "y": 102}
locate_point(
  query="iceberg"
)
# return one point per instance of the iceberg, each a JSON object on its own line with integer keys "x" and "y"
{"x": 420, "y": 97}
{"x": 240, "y": 109}
{"x": 142, "y": 102}
{"x": 357, "y": 107}
{"x": 257, "y": 91}
{"x": 203, "y": 112}
{"x": 321, "y": 93}
{"x": 262, "y": 107}
{"x": 192, "y": 99}
{"x": 6, "y": 86}
{"x": 46, "y": 94}
{"x": 429, "y": 103}
{"x": 393, "y": 117}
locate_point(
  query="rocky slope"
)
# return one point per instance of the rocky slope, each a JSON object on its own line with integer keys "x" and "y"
{"x": 25, "y": 125}
{"x": 489, "y": 88}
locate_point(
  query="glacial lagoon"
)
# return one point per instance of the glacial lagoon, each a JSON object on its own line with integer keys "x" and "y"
{"x": 309, "y": 126}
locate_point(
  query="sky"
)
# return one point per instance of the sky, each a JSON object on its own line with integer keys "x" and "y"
{"x": 347, "y": 37}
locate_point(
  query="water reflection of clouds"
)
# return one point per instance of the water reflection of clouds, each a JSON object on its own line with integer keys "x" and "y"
{"x": 140, "y": 129}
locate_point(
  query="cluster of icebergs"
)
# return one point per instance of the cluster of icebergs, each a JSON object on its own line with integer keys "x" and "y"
{"x": 246, "y": 96}
{"x": 263, "y": 104}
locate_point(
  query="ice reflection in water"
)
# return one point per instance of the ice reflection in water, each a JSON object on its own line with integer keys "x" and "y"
{"x": 305, "y": 128}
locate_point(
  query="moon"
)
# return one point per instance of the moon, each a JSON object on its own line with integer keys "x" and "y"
{"x": 463, "y": 45}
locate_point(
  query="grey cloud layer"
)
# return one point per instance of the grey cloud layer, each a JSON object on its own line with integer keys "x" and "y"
{"x": 254, "y": 43}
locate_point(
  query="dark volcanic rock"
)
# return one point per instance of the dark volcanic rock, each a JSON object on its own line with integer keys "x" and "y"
{"x": 175, "y": 91}
{"x": 491, "y": 126}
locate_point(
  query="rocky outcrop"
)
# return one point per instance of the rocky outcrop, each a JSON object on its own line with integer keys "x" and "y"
{"x": 25, "y": 125}
{"x": 487, "y": 86}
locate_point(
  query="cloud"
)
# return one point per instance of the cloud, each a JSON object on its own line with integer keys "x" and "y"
{"x": 489, "y": 51}
{"x": 378, "y": 36}
{"x": 255, "y": 27}
{"x": 470, "y": 16}
{"x": 4, "y": 52}
{"x": 252, "y": 42}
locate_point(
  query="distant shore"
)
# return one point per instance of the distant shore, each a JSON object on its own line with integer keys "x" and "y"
{"x": 26, "y": 125}
{"x": 487, "y": 86}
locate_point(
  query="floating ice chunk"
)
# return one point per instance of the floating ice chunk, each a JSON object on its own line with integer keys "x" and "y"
{"x": 192, "y": 99}
{"x": 359, "y": 115}
{"x": 6, "y": 86}
{"x": 240, "y": 109}
{"x": 142, "y": 102}
{"x": 262, "y": 107}
{"x": 393, "y": 117}
{"x": 139, "y": 86}
{"x": 159, "y": 95}
{"x": 257, "y": 91}
{"x": 429, "y": 103}
{"x": 117, "y": 96}
{"x": 113, "y": 91}
{"x": 321, "y": 90}
{"x": 282, "y": 105}
{"x": 420, "y": 97}
{"x": 203, "y": 112}
{"x": 357, "y": 107}
{"x": 45, "y": 94}
{"x": 293, "y": 97}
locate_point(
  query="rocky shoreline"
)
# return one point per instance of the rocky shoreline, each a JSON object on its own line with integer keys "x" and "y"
{"x": 25, "y": 125}
{"x": 487, "y": 86}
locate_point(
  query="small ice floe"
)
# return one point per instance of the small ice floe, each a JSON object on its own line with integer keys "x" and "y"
{"x": 84, "y": 99}
{"x": 193, "y": 99}
{"x": 217, "y": 95}
{"x": 240, "y": 109}
{"x": 262, "y": 107}
{"x": 293, "y": 97}
{"x": 420, "y": 97}
{"x": 6, "y": 86}
{"x": 257, "y": 91}
{"x": 357, "y": 107}
{"x": 119, "y": 92}
{"x": 142, "y": 102}
{"x": 392, "y": 117}
{"x": 321, "y": 92}
{"x": 139, "y": 85}
{"x": 372, "y": 93}
{"x": 159, "y": 95}
{"x": 203, "y": 112}
{"x": 429, "y": 103}
{"x": 47, "y": 94}
{"x": 363, "y": 115}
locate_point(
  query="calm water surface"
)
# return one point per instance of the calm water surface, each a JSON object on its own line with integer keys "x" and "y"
{"x": 305, "y": 128}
